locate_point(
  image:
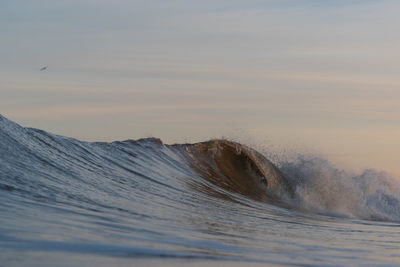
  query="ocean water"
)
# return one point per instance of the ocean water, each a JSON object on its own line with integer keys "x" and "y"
{"x": 65, "y": 202}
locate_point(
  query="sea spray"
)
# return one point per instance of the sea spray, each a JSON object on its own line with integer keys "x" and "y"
{"x": 320, "y": 187}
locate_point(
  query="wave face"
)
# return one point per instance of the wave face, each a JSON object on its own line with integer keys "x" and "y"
{"x": 131, "y": 201}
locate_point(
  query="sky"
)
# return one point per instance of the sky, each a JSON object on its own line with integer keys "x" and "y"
{"x": 307, "y": 75}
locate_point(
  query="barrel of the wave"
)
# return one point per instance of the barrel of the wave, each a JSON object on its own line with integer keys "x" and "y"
{"x": 239, "y": 169}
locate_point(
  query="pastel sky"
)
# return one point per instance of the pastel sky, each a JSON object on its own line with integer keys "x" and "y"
{"x": 313, "y": 75}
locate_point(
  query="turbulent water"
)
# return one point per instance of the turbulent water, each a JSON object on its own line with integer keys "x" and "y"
{"x": 66, "y": 202}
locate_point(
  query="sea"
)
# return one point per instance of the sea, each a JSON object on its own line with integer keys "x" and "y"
{"x": 67, "y": 202}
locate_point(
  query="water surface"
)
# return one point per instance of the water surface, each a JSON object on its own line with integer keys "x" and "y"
{"x": 67, "y": 202}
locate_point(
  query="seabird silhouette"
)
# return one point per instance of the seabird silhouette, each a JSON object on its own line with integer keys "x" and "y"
{"x": 44, "y": 68}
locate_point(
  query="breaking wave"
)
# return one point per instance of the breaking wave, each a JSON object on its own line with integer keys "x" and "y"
{"x": 308, "y": 184}
{"x": 211, "y": 200}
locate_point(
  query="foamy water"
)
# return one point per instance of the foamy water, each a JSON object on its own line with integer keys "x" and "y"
{"x": 66, "y": 202}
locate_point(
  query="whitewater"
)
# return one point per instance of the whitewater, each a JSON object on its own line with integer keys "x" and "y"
{"x": 66, "y": 202}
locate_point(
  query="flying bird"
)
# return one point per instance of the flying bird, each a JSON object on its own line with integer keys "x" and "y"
{"x": 44, "y": 68}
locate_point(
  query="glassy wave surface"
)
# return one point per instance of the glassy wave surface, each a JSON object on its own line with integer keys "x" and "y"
{"x": 68, "y": 202}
